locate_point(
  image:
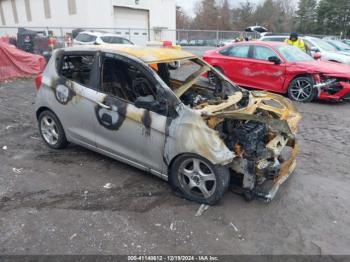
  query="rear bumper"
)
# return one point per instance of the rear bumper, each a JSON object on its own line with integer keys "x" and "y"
{"x": 343, "y": 94}
{"x": 286, "y": 169}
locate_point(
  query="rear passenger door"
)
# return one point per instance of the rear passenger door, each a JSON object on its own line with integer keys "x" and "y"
{"x": 75, "y": 92}
{"x": 235, "y": 61}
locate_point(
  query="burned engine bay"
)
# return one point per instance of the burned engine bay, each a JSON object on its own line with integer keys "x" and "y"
{"x": 258, "y": 127}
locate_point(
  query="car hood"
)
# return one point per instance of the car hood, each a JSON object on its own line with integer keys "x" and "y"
{"x": 282, "y": 115}
{"x": 323, "y": 67}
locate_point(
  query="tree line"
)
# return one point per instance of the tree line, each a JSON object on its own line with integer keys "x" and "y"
{"x": 330, "y": 17}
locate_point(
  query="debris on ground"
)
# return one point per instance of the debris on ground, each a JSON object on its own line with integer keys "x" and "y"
{"x": 73, "y": 236}
{"x": 17, "y": 170}
{"x": 240, "y": 237}
{"x": 201, "y": 210}
{"x": 108, "y": 186}
{"x": 234, "y": 227}
{"x": 4, "y": 148}
{"x": 35, "y": 138}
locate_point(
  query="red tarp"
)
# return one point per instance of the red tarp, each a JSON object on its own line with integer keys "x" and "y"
{"x": 17, "y": 63}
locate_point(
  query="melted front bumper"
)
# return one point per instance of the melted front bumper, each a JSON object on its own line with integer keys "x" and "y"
{"x": 286, "y": 169}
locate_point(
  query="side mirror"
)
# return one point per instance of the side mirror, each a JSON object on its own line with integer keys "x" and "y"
{"x": 317, "y": 56}
{"x": 275, "y": 60}
{"x": 146, "y": 102}
{"x": 149, "y": 103}
{"x": 314, "y": 49}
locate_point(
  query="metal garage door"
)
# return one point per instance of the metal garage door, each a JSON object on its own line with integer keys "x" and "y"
{"x": 132, "y": 24}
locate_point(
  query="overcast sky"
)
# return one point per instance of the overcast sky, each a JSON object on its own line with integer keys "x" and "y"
{"x": 188, "y": 4}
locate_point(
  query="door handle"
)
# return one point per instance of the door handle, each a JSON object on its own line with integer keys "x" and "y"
{"x": 104, "y": 106}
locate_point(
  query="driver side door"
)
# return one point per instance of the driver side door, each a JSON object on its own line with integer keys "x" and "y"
{"x": 124, "y": 131}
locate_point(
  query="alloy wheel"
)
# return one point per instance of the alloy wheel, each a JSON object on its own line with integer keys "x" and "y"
{"x": 197, "y": 178}
{"x": 49, "y": 130}
{"x": 301, "y": 90}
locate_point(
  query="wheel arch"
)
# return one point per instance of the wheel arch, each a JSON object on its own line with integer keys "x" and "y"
{"x": 181, "y": 155}
{"x": 42, "y": 109}
{"x": 306, "y": 75}
{"x": 297, "y": 76}
{"x": 45, "y": 108}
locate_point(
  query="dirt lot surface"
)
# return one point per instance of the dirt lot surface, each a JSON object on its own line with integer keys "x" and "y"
{"x": 54, "y": 202}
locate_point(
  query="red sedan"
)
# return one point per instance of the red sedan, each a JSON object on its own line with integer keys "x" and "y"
{"x": 281, "y": 68}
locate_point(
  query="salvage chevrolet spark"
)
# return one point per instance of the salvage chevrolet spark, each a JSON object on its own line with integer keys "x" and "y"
{"x": 140, "y": 106}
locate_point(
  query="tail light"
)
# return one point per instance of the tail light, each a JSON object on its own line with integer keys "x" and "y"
{"x": 167, "y": 44}
{"x": 38, "y": 81}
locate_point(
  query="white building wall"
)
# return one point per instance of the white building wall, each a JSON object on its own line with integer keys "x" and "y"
{"x": 90, "y": 13}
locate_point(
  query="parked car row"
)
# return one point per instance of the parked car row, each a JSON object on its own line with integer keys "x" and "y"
{"x": 199, "y": 42}
{"x": 99, "y": 38}
{"x": 327, "y": 49}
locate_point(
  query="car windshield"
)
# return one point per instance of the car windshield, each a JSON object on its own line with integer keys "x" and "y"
{"x": 196, "y": 83}
{"x": 339, "y": 45}
{"x": 324, "y": 45}
{"x": 293, "y": 54}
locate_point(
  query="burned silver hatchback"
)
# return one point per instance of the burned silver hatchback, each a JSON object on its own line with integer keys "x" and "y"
{"x": 155, "y": 109}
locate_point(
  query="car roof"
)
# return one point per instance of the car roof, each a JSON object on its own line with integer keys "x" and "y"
{"x": 274, "y": 36}
{"x": 97, "y": 33}
{"x": 149, "y": 55}
{"x": 264, "y": 43}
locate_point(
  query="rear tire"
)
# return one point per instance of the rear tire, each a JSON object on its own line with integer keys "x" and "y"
{"x": 302, "y": 89}
{"x": 51, "y": 130}
{"x": 196, "y": 179}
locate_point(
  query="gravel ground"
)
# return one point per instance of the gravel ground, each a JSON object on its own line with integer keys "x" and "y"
{"x": 54, "y": 202}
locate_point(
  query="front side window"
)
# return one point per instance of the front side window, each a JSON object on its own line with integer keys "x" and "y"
{"x": 106, "y": 39}
{"x": 86, "y": 38}
{"x": 117, "y": 40}
{"x": 77, "y": 68}
{"x": 262, "y": 53}
{"x": 125, "y": 80}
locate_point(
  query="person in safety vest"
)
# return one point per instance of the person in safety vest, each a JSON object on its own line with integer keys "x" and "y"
{"x": 52, "y": 41}
{"x": 294, "y": 40}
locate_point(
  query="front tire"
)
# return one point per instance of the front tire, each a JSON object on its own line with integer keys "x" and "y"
{"x": 302, "y": 89}
{"x": 196, "y": 179}
{"x": 51, "y": 130}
